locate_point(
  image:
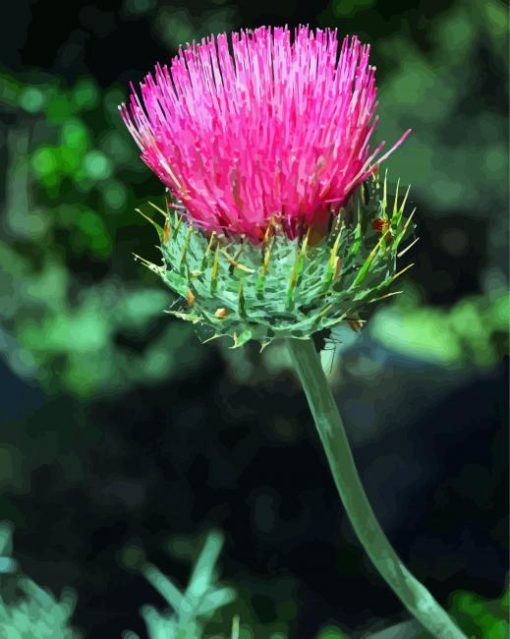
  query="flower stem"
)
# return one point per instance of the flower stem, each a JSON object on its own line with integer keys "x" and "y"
{"x": 415, "y": 597}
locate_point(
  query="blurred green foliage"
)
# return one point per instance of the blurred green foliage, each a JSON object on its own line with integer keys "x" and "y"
{"x": 70, "y": 317}
{"x": 192, "y": 608}
{"x": 27, "y": 611}
{"x": 480, "y": 617}
{"x": 473, "y": 332}
{"x": 37, "y": 614}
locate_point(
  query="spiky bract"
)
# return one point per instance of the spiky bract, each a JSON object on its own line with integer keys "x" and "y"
{"x": 283, "y": 287}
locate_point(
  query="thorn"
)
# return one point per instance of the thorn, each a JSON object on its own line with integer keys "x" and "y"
{"x": 399, "y": 274}
{"x": 264, "y": 267}
{"x": 152, "y": 267}
{"x": 186, "y": 244}
{"x": 338, "y": 268}
{"x": 264, "y": 345}
{"x": 210, "y": 243}
{"x": 334, "y": 263}
{"x": 210, "y": 339}
{"x": 158, "y": 228}
{"x": 407, "y": 223}
{"x": 214, "y": 272}
{"x": 409, "y": 246}
{"x": 395, "y": 201}
{"x": 300, "y": 257}
{"x": 240, "y": 340}
{"x": 336, "y": 245}
{"x": 158, "y": 209}
{"x": 368, "y": 262}
{"x": 402, "y": 271}
{"x": 267, "y": 256}
{"x": 233, "y": 262}
{"x": 208, "y": 251}
{"x": 383, "y": 297}
{"x": 292, "y": 282}
{"x": 178, "y": 222}
{"x": 305, "y": 242}
{"x": 404, "y": 200}
{"x": 269, "y": 229}
{"x": 356, "y": 238}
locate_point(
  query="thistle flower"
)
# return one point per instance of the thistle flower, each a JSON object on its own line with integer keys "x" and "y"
{"x": 277, "y": 130}
{"x": 278, "y": 225}
{"x": 280, "y": 228}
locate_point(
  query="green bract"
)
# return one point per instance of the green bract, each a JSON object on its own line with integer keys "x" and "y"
{"x": 284, "y": 287}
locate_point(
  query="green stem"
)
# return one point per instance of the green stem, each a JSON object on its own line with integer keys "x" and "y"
{"x": 415, "y": 597}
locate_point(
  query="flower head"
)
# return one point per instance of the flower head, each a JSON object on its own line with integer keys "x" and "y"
{"x": 277, "y": 130}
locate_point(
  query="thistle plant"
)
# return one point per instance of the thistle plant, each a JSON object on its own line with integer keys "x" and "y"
{"x": 277, "y": 224}
{"x": 28, "y": 611}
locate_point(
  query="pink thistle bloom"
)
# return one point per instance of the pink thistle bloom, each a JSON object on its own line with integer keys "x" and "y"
{"x": 277, "y": 130}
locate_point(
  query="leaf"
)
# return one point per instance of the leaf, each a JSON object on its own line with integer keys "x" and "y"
{"x": 166, "y": 588}
{"x": 202, "y": 574}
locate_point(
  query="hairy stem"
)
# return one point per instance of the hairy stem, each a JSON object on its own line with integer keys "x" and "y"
{"x": 415, "y": 597}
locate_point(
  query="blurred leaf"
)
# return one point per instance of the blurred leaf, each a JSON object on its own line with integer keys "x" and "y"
{"x": 27, "y": 611}
{"x": 474, "y": 331}
{"x": 193, "y": 608}
{"x": 482, "y": 617}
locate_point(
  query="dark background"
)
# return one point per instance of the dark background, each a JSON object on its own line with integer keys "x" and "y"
{"x": 121, "y": 434}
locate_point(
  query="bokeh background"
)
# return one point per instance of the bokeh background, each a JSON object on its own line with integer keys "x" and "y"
{"x": 123, "y": 439}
